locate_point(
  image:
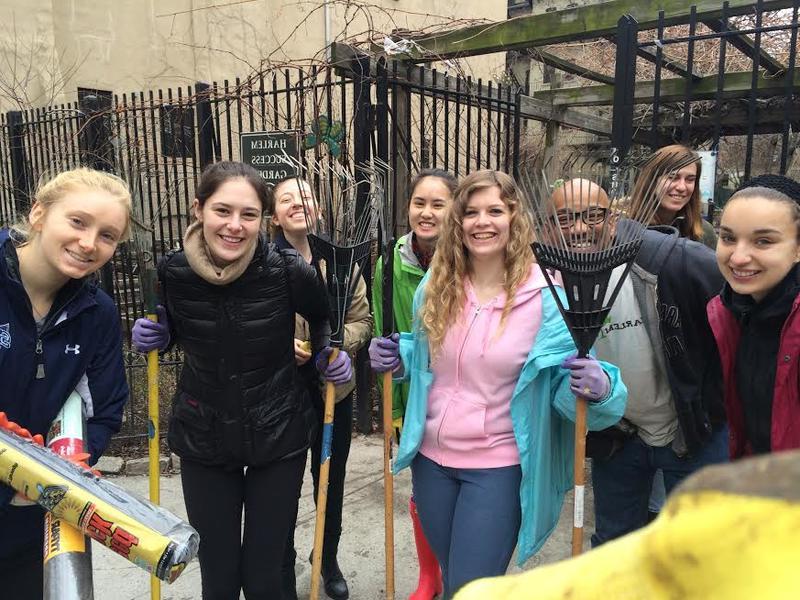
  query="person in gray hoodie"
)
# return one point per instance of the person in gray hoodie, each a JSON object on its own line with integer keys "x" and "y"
{"x": 658, "y": 334}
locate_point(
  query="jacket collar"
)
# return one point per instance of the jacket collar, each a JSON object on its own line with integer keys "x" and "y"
{"x": 776, "y": 304}
{"x": 407, "y": 252}
{"x": 281, "y": 242}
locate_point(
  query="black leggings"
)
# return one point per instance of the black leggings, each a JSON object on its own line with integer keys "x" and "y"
{"x": 230, "y": 561}
{"x": 340, "y": 450}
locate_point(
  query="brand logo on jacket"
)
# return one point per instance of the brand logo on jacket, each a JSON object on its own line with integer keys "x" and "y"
{"x": 76, "y": 349}
{"x": 5, "y": 335}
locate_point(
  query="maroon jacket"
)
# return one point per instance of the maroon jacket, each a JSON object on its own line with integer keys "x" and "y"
{"x": 785, "y": 433}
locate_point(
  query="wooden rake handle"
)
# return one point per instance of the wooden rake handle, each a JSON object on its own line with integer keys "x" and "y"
{"x": 388, "y": 484}
{"x": 324, "y": 471}
{"x": 579, "y": 474}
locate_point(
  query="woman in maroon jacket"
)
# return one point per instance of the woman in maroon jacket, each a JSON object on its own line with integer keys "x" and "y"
{"x": 756, "y": 318}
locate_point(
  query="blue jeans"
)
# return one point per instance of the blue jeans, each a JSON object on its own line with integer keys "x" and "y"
{"x": 658, "y": 495}
{"x": 471, "y": 518}
{"x": 622, "y": 483}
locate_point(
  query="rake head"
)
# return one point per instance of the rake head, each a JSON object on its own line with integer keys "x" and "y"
{"x": 338, "y": 235}
{"x": 590, "y": 222}
{"x": 378, "y": 173}
{"x": 143, "y": 244}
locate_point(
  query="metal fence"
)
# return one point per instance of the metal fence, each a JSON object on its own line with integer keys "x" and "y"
{"x": 714, "y": 85}
{"x": 164, "y": 138}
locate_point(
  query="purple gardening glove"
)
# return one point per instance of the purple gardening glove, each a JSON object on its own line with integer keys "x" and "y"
{"x": 339, "y": 371}
{"x": 147, "y": 336}
{"x": 587, "y": 378}
{"x": 384, "y": 353}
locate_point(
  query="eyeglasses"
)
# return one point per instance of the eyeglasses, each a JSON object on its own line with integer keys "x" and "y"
{"x": 594, "y": 215}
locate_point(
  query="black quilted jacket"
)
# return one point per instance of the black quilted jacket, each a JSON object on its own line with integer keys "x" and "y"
{"x": 240, "y": 400}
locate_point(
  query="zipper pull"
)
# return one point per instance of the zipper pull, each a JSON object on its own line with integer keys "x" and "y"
{"x": 40, "y": 353}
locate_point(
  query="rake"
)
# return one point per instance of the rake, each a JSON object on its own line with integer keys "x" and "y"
{"x": 585, "y": 241}
{"x": 379, "y": 176}
{"x": 144, "y": 249}
{"x": 342, "y": 239}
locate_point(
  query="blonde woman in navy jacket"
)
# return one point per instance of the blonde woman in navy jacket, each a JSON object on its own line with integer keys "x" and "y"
{"x": 59, "y": 333}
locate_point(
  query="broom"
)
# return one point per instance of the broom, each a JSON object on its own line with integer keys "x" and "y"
{"x": 342, "y": 239}
{"x": 612, "y": 236}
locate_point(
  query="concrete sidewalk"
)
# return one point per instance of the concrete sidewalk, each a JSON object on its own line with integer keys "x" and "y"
{"x": 361, "y": 554}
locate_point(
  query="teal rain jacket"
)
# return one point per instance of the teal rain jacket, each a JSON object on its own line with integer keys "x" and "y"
{"x": 542, "y": 412}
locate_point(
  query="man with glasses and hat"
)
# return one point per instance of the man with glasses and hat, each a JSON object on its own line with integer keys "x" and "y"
{"x": 658, "y": 335}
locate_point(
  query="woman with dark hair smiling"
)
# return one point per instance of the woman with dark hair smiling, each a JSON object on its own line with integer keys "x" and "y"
{"x": 241, "y": 419}
{"x": 755, "y": 318}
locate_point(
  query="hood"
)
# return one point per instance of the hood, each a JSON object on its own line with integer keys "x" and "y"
{"x": 403, "y": 246}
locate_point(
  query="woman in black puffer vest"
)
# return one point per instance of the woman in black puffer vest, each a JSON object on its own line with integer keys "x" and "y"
{"x": 241, "y": 419}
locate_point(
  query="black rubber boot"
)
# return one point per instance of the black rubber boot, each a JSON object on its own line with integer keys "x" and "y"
{"x": 332, "y": 578}
{"x": 335, "y": 583}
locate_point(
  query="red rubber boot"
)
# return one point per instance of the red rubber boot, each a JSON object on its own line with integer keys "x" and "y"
{"x": 430, "y": 577}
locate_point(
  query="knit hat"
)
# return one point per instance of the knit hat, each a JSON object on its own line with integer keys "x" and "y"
{"x": 780, "y": 183}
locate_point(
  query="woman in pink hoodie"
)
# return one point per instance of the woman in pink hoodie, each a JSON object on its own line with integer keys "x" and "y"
{"x": 493, "y": 377}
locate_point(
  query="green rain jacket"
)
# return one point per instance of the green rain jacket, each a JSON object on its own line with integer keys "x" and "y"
{"x": 405, "y": 278}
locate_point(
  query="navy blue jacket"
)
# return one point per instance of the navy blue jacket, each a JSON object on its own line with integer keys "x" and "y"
{"x": 688, "y": 277}
{"x": 81, "y": 347}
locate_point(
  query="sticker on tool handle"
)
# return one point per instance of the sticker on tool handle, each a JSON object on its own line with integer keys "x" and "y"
{"x": 578, "y": 513}
{"x": 61, "y": 537}
{"x": 327, "y": 436}
{"x": 65, "y": 436}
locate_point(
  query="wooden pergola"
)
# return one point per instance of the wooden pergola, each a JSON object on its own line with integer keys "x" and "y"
{"x": 533, "y": 33}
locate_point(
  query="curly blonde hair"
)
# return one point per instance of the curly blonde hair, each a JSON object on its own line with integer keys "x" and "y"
{"x": 444, "y": 293}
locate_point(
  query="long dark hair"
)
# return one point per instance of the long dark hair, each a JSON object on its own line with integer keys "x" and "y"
{"x": 215, "y": 175}
{"x": 688, "y": 220}
{"x": 447, "y": 178}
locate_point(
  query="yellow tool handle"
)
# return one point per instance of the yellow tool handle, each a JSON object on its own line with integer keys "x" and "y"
{"x": 153, "y": 443}
{"x": 324, "y": 470}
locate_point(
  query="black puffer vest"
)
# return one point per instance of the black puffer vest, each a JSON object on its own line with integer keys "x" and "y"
{"x": 240, "y": 400}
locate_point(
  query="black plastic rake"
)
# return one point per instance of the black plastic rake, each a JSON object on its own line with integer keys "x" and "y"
{"x": 587, "y": 225}
{"x": 340, "y": 243}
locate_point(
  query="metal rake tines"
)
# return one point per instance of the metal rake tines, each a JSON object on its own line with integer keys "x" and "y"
{"x": 337, "y": 200}
{"x": 589, "y": 222}
{"x": 588, "y": 262}
{"x": 378, "y": 173}
{"x": 338, "y": 235}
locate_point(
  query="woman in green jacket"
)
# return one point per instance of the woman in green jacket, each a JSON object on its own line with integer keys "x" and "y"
{"x": 431, "y": 198}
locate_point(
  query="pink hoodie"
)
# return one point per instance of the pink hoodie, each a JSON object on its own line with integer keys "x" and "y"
{"x": 468, "y": 422}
